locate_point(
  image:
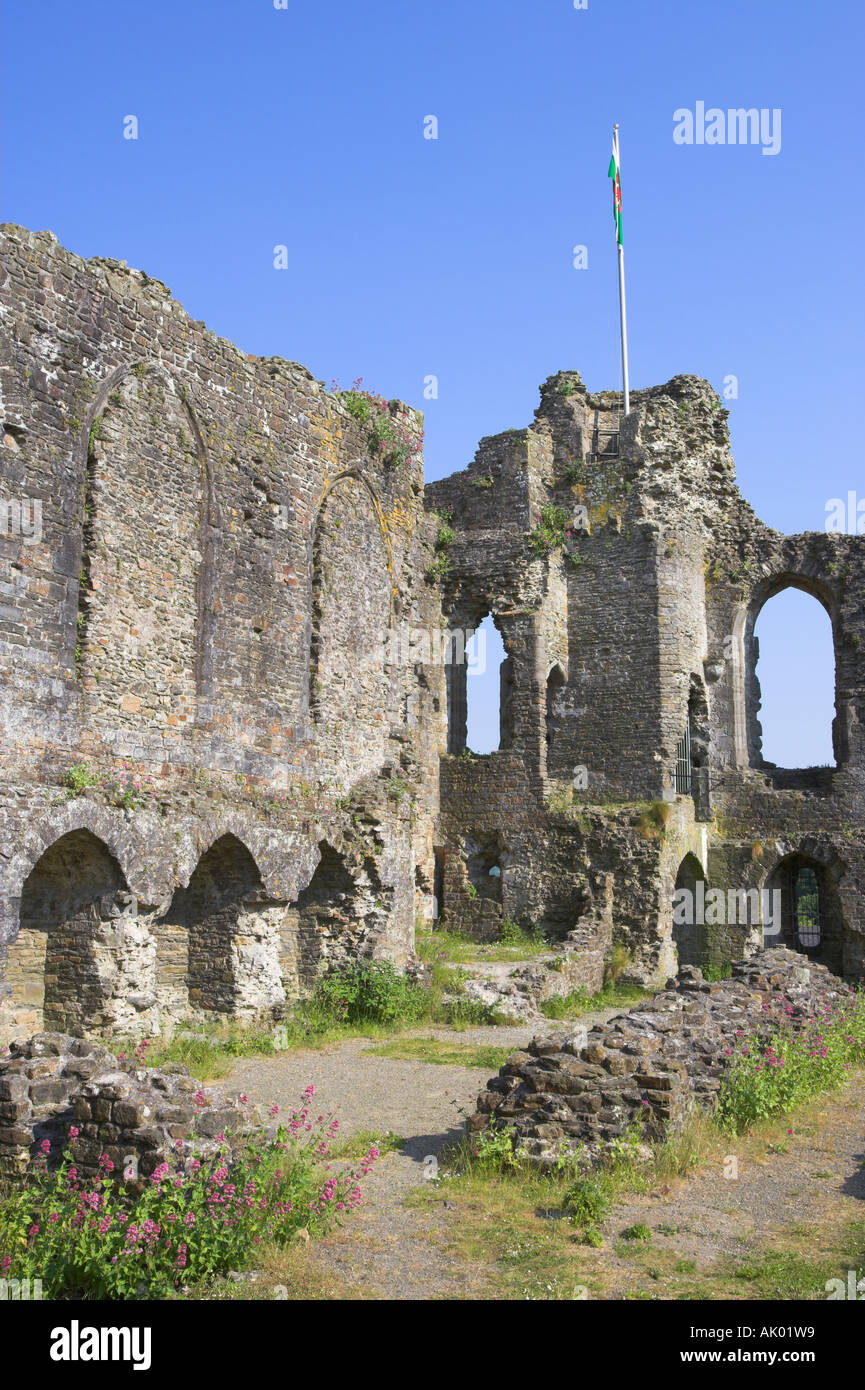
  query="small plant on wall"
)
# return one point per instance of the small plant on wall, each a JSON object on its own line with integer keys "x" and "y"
{"x": 389, "y": 437}
{"x": 440, "y": 566}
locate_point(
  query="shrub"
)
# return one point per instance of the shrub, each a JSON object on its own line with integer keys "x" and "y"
{"x": 592, "y": 1236}
{"x": 100, "y": 1239}
{"x": 470, "y": 1013}
{"x": 551, "y": 530}
{"x": 586, "y": 1202}
{"x": 512, "y": 934}
{"x": 439, "y": 568}
{"x": 713, "y": 973}
{"x": 775, "y": 1071}
{"x": 653, "y": 822}
{"x": 371, "y": 991}
{"x": 638, "y": 1232}
{"x": 565, "y": 1005}
{"x": 493, "y": 1149}
{"x": 80, "y": 776}
{"x": 619, "y": 960}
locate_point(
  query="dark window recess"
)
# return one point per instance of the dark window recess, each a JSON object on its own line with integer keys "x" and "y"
{"x": 806, "y": 909}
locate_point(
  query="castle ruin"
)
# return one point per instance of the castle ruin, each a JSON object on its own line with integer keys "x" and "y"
{"x": 229, "y": 764}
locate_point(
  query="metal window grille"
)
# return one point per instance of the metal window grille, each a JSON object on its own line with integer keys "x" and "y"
{"x": 683, "y": 764}
{"x": 806, "y": 908}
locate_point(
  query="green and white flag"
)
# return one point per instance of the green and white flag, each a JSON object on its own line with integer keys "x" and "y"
{"x": 613, "y": 173}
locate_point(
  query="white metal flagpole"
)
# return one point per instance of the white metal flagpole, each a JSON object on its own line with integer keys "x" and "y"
{"x": 622, "y": 312}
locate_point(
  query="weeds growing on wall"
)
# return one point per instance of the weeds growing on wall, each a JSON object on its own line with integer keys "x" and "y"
{"x": 124, "y": 788}
{"x": 389, "y": 437}
{"x": 98, "y": 1238}
{"x": 651, "y": 824}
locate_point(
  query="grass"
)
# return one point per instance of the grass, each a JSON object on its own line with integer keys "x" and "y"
{"x": 452, "y": 1054}
{"x": 212, "y": 1052}
{"x": 359, "y": 1143}
{"x": 543, "y": 1236}
{"x": 577, "y": 1002}
{"x": 444, "y": 946}
{"x": 368, "y": 1001}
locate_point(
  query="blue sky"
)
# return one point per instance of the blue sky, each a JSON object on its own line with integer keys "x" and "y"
{"x": 408, "y": 257}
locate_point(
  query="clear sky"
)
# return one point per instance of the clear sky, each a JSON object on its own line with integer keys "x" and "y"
{"x": 304, "y": 126}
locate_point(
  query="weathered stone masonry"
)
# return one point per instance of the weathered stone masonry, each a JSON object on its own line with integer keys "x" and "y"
{"x": 637, "y": 628}
{"x": 219, "y": 781}
{"x": 201, "y": 630}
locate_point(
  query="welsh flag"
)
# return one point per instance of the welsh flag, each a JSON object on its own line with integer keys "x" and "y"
{"x": 613, "y": 173}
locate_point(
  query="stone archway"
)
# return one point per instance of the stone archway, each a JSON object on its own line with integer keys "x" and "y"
{"x": 219, "y": 943}
{"x": 811, "y": 918}
{"x": 77, "y": 956}
{"x": 689, "y": 931}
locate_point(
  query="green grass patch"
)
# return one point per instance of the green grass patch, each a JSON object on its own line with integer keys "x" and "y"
{"x": 363, "y": 1140}
{"x": 452, "y": 1054}
{"x": 578, "y": 1002}
{"x": 455, "y": 948}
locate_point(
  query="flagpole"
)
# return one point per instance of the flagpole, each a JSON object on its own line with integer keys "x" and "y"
{"x": 622, "y": 312}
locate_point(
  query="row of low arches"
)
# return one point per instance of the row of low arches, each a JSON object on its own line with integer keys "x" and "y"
{"x": 88, "y": 957}
{"x": 797, "y": 905}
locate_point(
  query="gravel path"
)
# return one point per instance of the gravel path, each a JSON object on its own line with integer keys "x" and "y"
{"x": 387, "y": 1250}
{"x": 818, "y": 1176}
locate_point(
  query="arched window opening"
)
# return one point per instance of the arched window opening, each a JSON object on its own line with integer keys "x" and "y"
{"x": 805, "y": 903}
{"x": 484, "y": 866}
{"x": 556, "y": 681}
{"x": 793, "y": 685}
{"x": 804, "y": 910}
{"x": 480, "y": 693}
{"x": 692, "y": 753}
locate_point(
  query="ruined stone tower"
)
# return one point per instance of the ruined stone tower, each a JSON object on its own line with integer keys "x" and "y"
{"x": 625, "y": 574}
{"x": 223, "y": 769}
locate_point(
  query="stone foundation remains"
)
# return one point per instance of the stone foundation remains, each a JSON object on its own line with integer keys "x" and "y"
{"x": 136, "y": 1117}
{"x": 573, "y": 1092}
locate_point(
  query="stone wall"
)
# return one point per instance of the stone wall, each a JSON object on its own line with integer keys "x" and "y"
{"x": 224, "y": 769}
{"x": 577, "y": 1092}
{"x": 134, "y": 1116}
{"x": 633, "y": 626}
{"x": 199, "y": 703}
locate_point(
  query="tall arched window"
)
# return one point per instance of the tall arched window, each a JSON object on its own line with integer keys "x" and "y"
{"x": 795, "y": 672}
{"x": 556, "y": 681}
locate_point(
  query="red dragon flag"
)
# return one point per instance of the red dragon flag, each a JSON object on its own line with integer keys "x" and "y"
{"x": 613, "y": 173}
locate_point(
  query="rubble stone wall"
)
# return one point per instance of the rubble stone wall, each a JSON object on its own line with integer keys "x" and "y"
{"x": 649, "y": 1067}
